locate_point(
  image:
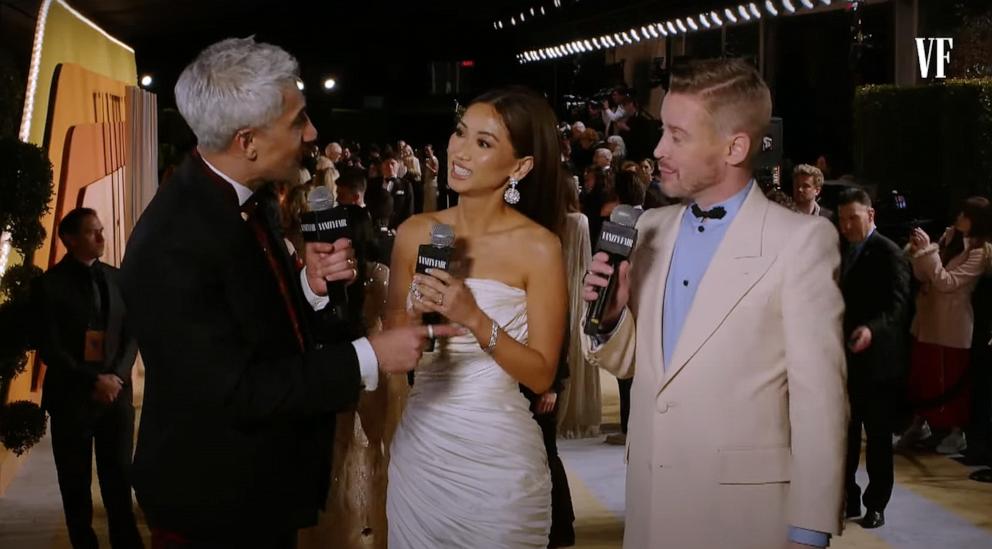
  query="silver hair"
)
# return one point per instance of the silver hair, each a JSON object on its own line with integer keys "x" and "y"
{"x": 234, "y": 84}
{"x": 617, "y": 141}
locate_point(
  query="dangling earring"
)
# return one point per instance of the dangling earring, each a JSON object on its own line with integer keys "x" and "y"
{"x": 512, "y": 195}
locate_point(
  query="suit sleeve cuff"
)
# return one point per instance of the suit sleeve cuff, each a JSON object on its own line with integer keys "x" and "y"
{"x": 316, "y": 301}
{"x": 809, "y": 537}
{"x": 600, "y": 339}
{"x": 368, "y": 363}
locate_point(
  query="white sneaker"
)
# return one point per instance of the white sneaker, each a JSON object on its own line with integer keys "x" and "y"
{"x": 917, "y": 432}
{"x": 954, "y": 443}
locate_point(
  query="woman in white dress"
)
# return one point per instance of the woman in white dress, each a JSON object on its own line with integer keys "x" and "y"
{"x": 468, "y": 465}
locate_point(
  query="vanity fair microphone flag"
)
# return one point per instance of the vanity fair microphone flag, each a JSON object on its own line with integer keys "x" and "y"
{"x": 617, "y": 238}
{"x": 436, "y": 255}
{"x": 326, "y": 223}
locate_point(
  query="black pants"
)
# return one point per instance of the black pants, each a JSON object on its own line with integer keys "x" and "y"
{"x": 562, "y": 512}
{"x": 874, "y": 406}
{"x": 624, "y": 385}
{"x": 76, "y": 429}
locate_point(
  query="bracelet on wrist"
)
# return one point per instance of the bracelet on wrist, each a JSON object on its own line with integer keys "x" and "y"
{"x": 493, "y": 338}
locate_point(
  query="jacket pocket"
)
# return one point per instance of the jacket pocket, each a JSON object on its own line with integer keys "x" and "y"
{"x": 754, "y": 465}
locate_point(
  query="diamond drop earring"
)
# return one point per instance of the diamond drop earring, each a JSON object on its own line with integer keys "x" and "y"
{"x": 512, "y": 195}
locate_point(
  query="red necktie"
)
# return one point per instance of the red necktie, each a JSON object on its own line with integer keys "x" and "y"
{"x": 262, "y": 235}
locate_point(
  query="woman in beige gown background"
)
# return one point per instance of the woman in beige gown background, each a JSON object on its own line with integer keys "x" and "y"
{"x": 580, "y": 406}
{"x": 355, "y": 512}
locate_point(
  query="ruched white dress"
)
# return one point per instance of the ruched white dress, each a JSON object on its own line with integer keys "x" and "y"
{"x": 468, "y": 465}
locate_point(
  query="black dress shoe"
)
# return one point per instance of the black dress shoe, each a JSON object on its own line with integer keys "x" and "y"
{"x": 873, "y": 519}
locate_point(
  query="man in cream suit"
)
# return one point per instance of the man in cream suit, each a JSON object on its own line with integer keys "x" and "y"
{"x": 729, "y": 317}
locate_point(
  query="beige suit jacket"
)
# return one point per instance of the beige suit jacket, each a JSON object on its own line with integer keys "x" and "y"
{"x": 744, "y": 433}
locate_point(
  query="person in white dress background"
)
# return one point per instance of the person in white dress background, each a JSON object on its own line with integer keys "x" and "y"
{"x": 468, "y": 466}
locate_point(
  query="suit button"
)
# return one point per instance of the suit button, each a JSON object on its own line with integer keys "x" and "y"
{"x": 662, "y": 406}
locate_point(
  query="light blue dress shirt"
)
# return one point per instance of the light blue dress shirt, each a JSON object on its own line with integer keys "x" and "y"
{"x": 695, "y": 246}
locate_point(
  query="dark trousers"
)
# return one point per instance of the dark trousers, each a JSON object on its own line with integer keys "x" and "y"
{"x": 874, "y": 406}
{"x": 164, "y": 539}
{"x": 76, "y": 430}
{"x": 418, "y": 196}
{"x": 562, "y": 513}
{"x": 624, "y": 385}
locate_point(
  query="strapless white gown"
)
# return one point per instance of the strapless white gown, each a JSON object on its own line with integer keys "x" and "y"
{"x": 468, "y": 465}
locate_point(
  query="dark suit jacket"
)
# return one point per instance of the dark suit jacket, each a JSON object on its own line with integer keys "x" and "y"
{"x": 390, "y": 208}
{"x": 642, "y": 137}
{"x": 65, "y": 302}
{"x": 655, "y": 198}
{"x": 877, "y": 294}
{"x": 238, "y": 423}
{"x": 826, "y": 214}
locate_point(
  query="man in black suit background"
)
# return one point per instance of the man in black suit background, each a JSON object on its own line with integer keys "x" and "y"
{"x": 389, "y": 197}
{"x": 89, "y": 354}
{"x": 244, "y": 372}
{"x": 875, "y": 282}
{"x": 640, "y": 133}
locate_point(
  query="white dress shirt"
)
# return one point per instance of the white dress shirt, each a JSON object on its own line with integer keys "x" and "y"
{"x": 368, "y": 363}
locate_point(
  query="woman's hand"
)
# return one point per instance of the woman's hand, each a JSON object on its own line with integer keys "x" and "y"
{"x": 919, "y": 239}
{"x": 440, "y": 292}
{"x": 546, "y": 404}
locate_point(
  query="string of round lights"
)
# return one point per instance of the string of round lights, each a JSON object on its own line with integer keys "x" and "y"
{"x": 740, "y": 14}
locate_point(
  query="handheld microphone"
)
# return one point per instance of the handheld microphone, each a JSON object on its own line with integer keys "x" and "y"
{"x": 436, "y": 255}
{"x": 617, "y": 238}
{"x": 326, "y": 223}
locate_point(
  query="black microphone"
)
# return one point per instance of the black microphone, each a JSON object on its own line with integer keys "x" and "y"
{"x": 436, "y": 255}
{"x": 326, "y": 223}
{"x": 617, "y": 238}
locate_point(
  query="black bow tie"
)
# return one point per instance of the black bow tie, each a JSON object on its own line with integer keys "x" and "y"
{"x": 715, "y": 213}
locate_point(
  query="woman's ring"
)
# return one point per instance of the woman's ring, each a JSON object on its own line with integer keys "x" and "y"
{"x": 430, "y": 331}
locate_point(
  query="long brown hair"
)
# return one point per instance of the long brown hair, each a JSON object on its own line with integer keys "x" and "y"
{"x": 532, "y": 126}
{"x": 977, "y": 210}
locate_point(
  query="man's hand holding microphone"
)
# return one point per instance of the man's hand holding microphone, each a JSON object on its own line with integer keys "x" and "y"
{"x": 607, "y": 284}
{"x": 597, "y": 280}
{"x": 331, "y": 265}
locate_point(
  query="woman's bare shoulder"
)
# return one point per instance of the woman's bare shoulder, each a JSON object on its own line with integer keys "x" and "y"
{"x": 536, "y": 243}
{"x": 418, "y": 226}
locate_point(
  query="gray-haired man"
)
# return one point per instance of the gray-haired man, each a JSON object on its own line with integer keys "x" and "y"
{"x": 243, "y": 374}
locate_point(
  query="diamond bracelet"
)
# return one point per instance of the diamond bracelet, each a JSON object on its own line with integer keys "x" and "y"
{"x": 493, "y": 337}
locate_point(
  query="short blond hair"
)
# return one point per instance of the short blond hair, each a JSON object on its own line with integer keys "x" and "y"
{"x": 732, "y": 92}
{"x": 812, "y": 171}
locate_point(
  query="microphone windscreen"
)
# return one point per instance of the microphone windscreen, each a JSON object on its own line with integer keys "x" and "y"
{"x": 320, "y": 199}
{"x": 442, "y": 236}
{"x": 625, "y": 215}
